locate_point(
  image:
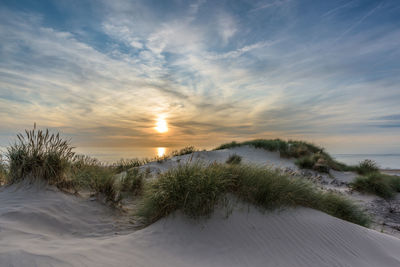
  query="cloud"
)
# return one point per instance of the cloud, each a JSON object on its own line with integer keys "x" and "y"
{"x": 216, "y": 72}
{"x": 227, "y": 27}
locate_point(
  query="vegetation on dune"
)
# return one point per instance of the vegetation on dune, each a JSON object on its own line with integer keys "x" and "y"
{"x": 126, "y": 164}
{"x": 106, "y": 180}
{"x": 133, "y": 182}
{"x": 383, "y": 185}
{"x": 234, "y": 159}
{"x": 184, "y": 151}
{"x": 196, "y": 189}
{"x": 367, "y": 166}
{"x": 372, "y": 181}
{"x": 193, "y": 188}
{"x": 309, "y": 155}
{"x": 162, "y": 158}
{"x": 39, "y": 155}
{"x": 89, "y": 173}
{"x": 3, "y": 171}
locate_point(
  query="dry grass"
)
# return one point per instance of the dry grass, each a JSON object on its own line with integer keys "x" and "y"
{"x": 39, "y": 155}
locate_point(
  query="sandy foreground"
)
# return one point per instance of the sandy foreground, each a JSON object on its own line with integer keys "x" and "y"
{"x": 40, "y": 226}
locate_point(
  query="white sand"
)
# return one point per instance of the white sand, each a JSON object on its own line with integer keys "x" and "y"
{"x": 49, "y": 228}
{"x": 44, "y": 227}
{"x": 249, "y": 155}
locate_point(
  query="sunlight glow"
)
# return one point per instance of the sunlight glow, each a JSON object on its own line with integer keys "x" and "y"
{"x": 160, "y": 151}
{"x": 161, "y": 125}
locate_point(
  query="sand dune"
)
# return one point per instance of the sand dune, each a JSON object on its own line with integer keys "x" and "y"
{"x": 44, "y": 227}
{"x": 41, "y": 226}
{"x": 248, "y": 154}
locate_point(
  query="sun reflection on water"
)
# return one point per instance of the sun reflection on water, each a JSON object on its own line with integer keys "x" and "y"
{"x": 161, "y": 151}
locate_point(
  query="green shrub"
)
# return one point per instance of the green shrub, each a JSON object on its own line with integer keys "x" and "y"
{"x": 39, "y": 155}
{"x": 196, "y": 189}
{"x": 234, "y": 159}
{"x": 367, "y": 166}
{"x": 184, "y": 151}
{"x": 385, "y": 186}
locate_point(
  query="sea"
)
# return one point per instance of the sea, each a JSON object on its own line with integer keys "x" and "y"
{"x": 384, "y": 161}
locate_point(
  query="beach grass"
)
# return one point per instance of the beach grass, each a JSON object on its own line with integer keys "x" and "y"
{"x": 133, "y": 182}
{"x": 126, "y": 164}
{"x": 234, "y": 159}
{"x": 383, "y": 185}
{"x": 3, "y": 171}
{"x": 39, "y": 154}
{"x": 309, "y": 155}
{"x": 196, "y": 189}
{"x": 88, "y": 173}
{"x": 366, "y": 166}
{"x": 193, "y": 188}
{"x": 184, "y": 151}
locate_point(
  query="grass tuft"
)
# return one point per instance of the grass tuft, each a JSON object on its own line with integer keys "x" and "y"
{"x": 383, "y": 185}
{"x": 90, "y": 174}
{"x": 39, "y": 155}
{"x": 196, "y": 190}
{"x": 126, "y": 164}
{"x": 184, "y": 151}
{"x": 3, "y": 171}
{"x": 367, "y": 166}
{"x": 234, "y": 159}
{"x": 133, "y": 182}
{"x": 192, "y": 188}
{"x": 305, "y": 162}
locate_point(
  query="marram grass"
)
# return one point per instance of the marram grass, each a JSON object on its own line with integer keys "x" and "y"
{"x": 196, "y": 189}
{"x": 38, "y": 154}
{"x": 3, "y": 171}
{"x": 383, "y": 185}
{"x": 309, "y": 155}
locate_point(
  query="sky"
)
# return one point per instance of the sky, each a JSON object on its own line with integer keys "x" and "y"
{"x": 103, "y": 73}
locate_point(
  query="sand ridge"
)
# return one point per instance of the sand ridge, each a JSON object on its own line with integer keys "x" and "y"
{"x": 41, "y": 226}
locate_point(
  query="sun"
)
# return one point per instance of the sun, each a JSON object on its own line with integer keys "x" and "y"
{"x": 161, "y": 125}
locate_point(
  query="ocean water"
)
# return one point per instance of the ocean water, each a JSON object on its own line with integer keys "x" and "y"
{"x": 111, "y": 155}
{"x": 384, "y": 161}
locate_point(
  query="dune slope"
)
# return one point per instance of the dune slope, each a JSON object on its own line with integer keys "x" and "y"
{"x": 44, "y": 227}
